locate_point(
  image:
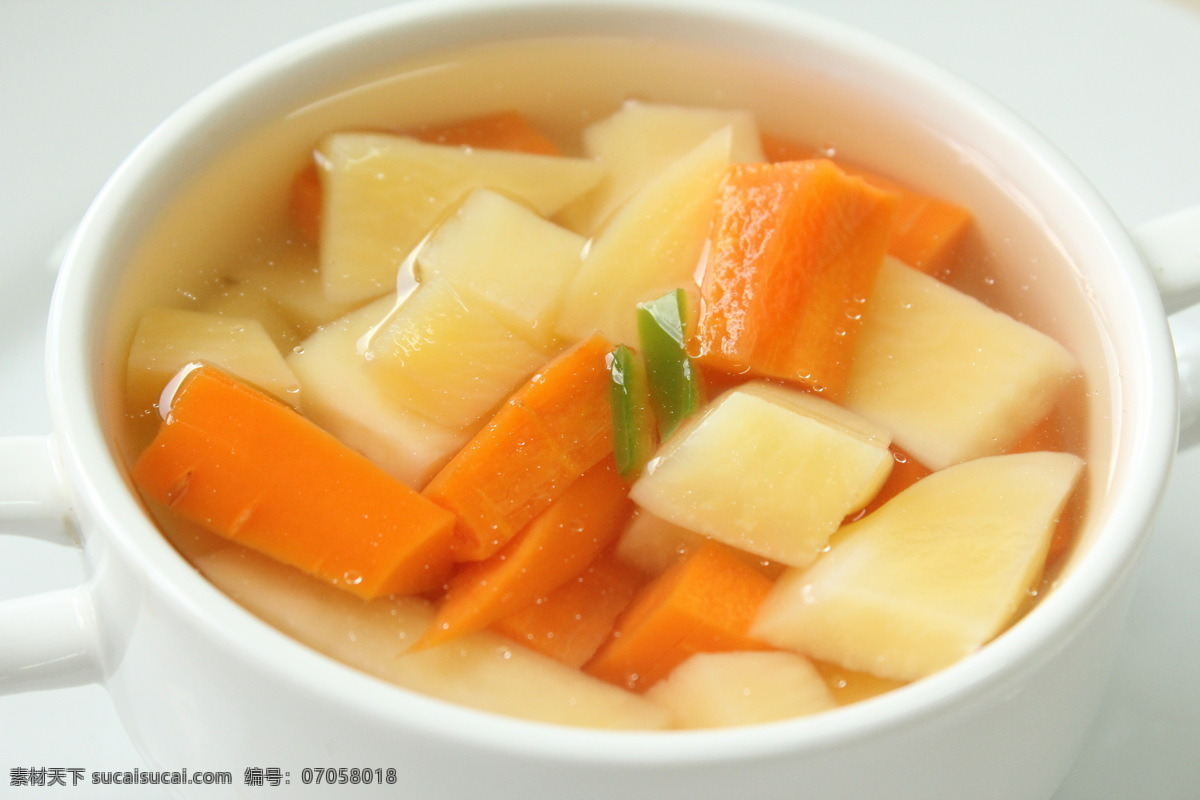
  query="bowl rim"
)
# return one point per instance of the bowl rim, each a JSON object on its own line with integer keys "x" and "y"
{"x": 1144, "y": 435}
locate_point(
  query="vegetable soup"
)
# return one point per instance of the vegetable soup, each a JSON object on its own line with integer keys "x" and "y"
{"x": 605, "y": 383}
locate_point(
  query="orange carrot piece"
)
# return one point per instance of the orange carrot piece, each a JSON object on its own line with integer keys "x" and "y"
{"x": 304, "y": 203}
{"x": 249, "y": 468}
{"x": 702, "y": 604}
{"x": 928, "y": 230}
{"x": 794, "y": 251}
{"x": 505, "y": 130}
{"x": 542, "y": 439}
{"x": 571, "y": 623}
{"x": 556, "y": 547}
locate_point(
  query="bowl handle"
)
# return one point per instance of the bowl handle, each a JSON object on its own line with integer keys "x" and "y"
{"x": 50, "y": 640}
{"x": 1171, "y": 246}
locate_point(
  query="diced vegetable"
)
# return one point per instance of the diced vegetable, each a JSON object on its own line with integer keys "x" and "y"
{"x": 794, "y": 251}
{"x": 449, "y": 355}
{"x": 703, "y": 604}
{"x": 504, "y": 130}
{"x": 546, "y": 435}
{"x": 652, "y": 245}
{"x": 251, "y": 469}
{"x": 571, "y": 623}
{"x": 928, "y": 230}
{"x": 639, "y": 141}
{"x": 553, "y": 549}
{"x": 663, "y": 332}
{"x": 498, "y": 249}
{"x": 634, "y": 437}
{"x": 767, "y": 469}
{"x": 951, "y": 378}
{"x": 342, "y": 395}
{"x": 713, "y": 690}
{"x": 480, "y": 670}
{"x": 932, "y": 575}
{"x": 382, "y": 194}
{"x": 167, "y": 339}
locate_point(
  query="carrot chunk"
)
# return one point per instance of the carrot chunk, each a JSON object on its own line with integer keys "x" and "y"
{"x": 795, "y": 248}
{"x": 504, "y": 130}
{"x": 928, "y": 230}
{"x": 556, "y": 547}
{"x": 542, "y": 439}
{"x": 251, "y": 469}
{"x": 571, "y": 623}
{"x": 702, "y": 604}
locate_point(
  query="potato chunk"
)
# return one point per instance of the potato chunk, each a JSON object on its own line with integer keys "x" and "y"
{"x": 652, "y": 244}
{"x": 501, "y": 251}
{"x": 167, "y": 339}
{"x": 342, "y": 395}
{"x": 951, "y": 378}
{"x": 770, "y": 470}
{"x": 930, "y": 576}
{"x": 639, "y": 140}
{"x": 383, "y": 194}
{"x": 448, "y": 355}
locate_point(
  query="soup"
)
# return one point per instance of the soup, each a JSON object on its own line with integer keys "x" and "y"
{"x": 631, "y": 413}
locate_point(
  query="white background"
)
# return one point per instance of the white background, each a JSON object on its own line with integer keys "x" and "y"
{"x": 1115, "y": 83}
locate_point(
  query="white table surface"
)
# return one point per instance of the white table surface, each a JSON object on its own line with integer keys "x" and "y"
{"x": 1115, "y": 83}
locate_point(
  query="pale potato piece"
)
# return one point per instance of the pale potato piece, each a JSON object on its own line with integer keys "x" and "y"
{"x": 640, "y": 140}
{"x": 448, "y": 356}
{"x": 168, "y": 339}
{"x": 343, "y": 396}
{"x": 480, "y": 670}
{"x": 930, "y": 576}
{"x": 712, "y": 690}
{"x": 500, "y": 250}
{"x": 951, "y": 378}
{"x": 652, "y": 245}
{"x": 770, "y": 470}
{"x": 383, "y": 194}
